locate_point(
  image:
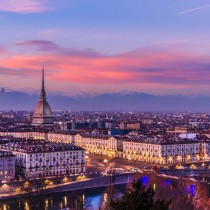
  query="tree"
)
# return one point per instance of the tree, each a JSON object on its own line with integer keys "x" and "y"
{"x": 138, "y": 198}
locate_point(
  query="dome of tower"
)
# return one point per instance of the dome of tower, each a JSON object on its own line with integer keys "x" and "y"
{"x": 42, "y": 109}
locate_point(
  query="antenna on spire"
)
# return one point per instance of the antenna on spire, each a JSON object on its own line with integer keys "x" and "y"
{"x": 43, "y": 94}
{"x": 43, "y": 77}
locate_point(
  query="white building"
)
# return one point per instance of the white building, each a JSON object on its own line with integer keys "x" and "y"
{"x": 40, "y": 158}
{"x": 100, "y": 144}
{"x": 161, "y": 150}
{"x": 61, "y": 137}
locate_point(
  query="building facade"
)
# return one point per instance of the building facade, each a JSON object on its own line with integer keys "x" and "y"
{"x": 41, "y": 159}
{"x": 166, "y": 152}
{"x": 61, "y": 137}
{"x": 7, "y": 165}
{"x": 154, "y": 149}
{"x": 100, "y": 144}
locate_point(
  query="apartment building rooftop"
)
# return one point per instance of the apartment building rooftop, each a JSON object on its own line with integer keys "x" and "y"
{"x": 6, "y": 154}
{"x": 95, "y": 136}
{"x": 37, "y": 146}
{"x": 167, "y": 139}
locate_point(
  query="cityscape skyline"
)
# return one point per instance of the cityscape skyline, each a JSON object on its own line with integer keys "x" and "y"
{"x": 97, "y": 49}
{"x": 104, "y": 105}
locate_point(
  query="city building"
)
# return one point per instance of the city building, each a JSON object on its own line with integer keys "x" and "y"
{"x": 65, "y": 137}
{"x": 181, "y": 130}
{"x": 166, "y": 149}
{"x": 99, "y": 144}
{"x": 129, "y": 125}
{"x": 42, "y": 113}
{"x": 38, "y": 158}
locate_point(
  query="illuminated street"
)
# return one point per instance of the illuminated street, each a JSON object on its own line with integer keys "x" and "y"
{"x": 95, "y": 163}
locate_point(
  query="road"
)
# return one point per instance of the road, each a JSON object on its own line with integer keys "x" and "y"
{"x": 99, "y": 163}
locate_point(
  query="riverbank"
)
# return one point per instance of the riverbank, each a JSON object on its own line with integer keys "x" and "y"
{"x": 181, "y": 191}
{"x": 112, "y": 179}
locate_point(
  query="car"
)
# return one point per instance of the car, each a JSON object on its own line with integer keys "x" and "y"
{"x": 100, "y": 164}
{"x": 120, "y": 170}
{"x": 134, "y": 169}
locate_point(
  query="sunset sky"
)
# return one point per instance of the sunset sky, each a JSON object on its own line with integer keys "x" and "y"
{"x": 102, "y": 46}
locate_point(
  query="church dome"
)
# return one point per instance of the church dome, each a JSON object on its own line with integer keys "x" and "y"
{"x": 42, "y": 109}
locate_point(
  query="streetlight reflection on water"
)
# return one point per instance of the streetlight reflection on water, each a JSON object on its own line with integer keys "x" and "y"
{"x": 83, "y": 199}
{"x": 65, "y": 200}
{"x": 26, "y": 206}
{"x": 98, "y": 196}
{"x": 46, "y": 204}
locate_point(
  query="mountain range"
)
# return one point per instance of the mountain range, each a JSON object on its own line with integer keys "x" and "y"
{"x": 122, "y": 101}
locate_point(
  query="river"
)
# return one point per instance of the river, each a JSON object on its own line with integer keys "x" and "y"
{"x": 79, "y": 199}
{"x": 185, "y": 194}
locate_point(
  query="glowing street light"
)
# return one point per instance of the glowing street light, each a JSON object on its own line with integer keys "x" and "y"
{"x": 105, "y": 163}
{"x": 105, "y": 160}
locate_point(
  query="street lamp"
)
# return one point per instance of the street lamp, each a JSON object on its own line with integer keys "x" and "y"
{"x": 179, "y": 158}
{"x": 170, "y": 159}
{"x": 188, "y": 157}
{"x": 105, "y": 163}
{"x": 86, "y": 159}
{"x": 105, "y": 160}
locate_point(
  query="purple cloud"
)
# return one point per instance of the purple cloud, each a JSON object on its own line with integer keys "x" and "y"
{"x": 41, "y": 45}
{"x": 48, "y": 46}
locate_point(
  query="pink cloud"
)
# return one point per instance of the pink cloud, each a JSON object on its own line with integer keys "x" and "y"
{"x": 21, "y": 6}
{"x": 150, "y": 69}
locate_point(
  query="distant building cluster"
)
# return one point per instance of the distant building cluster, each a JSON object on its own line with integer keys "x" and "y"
{"x": 154, "y": 148}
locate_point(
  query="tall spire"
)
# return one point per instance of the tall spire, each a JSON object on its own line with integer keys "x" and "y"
{"x": 43, "y": 93}
{"x": 43, "y": 78}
